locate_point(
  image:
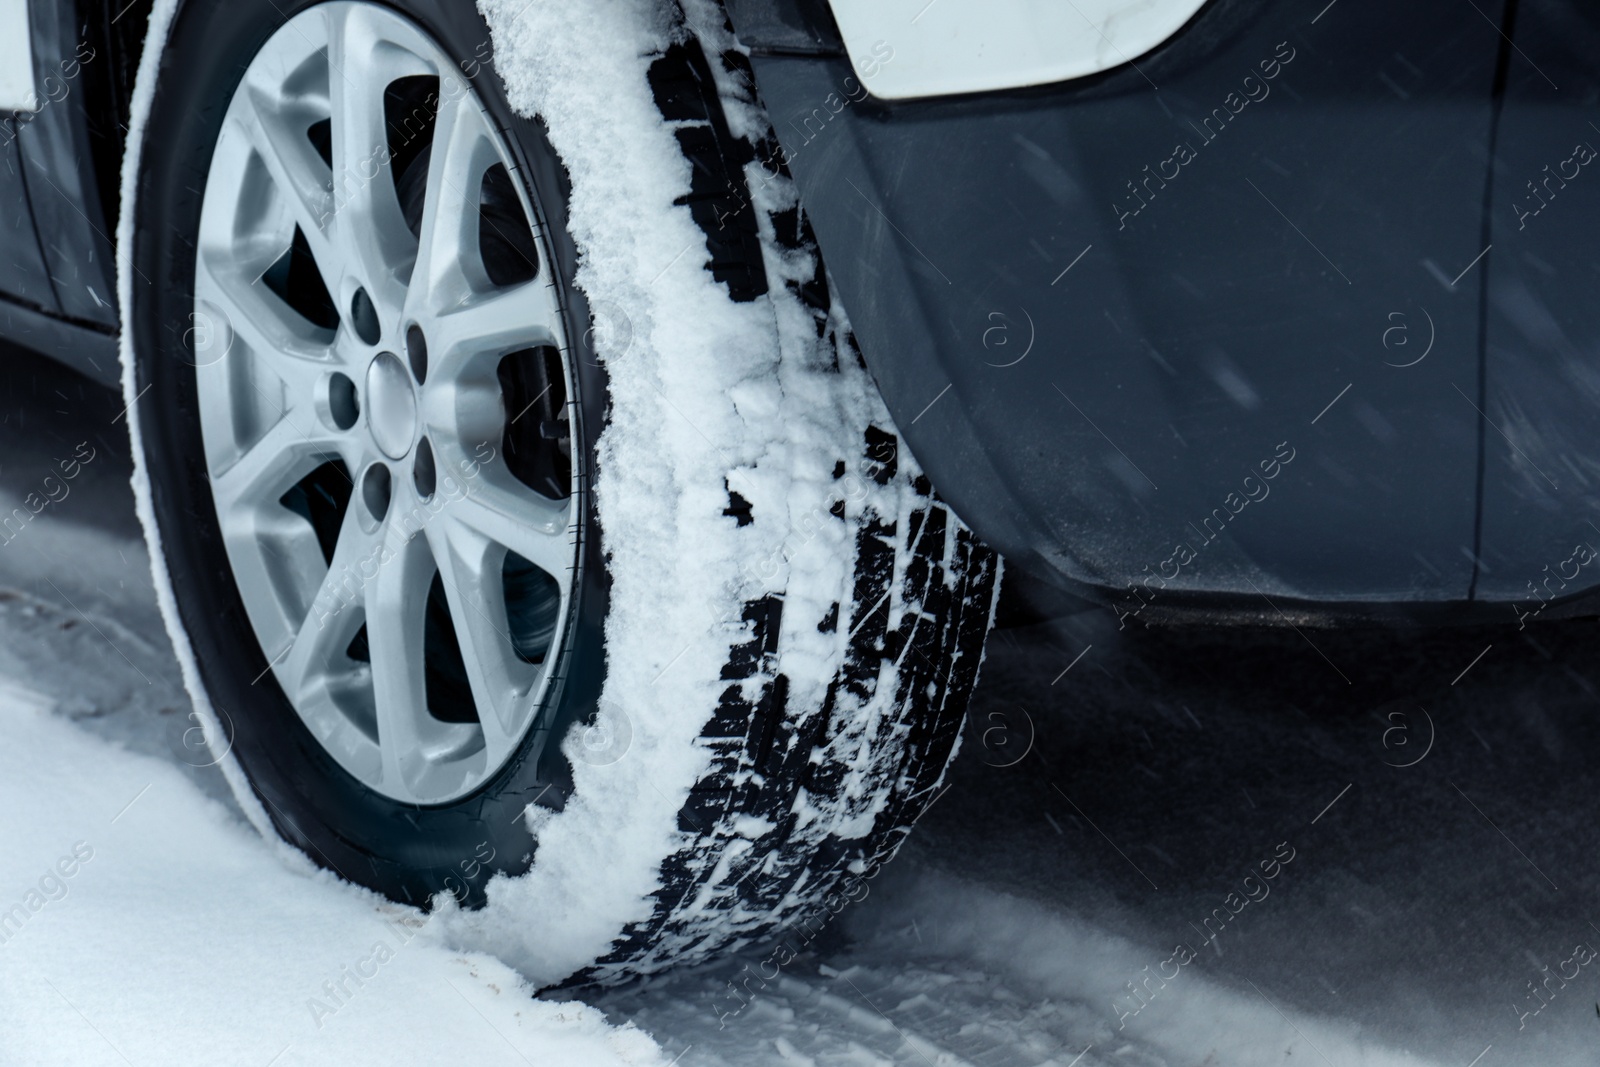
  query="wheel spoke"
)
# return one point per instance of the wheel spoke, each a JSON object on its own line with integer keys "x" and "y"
{"x": 537, "y": 529}
{"x": 272, "y": 336}
{"x": 396, "y": 602}
{"x": 334, "y": 615}
{"x": 265, "y": 470}
{"x": 276, "y": 132}
{"x": 274, "y": 553}
{"x": 448, "y": 266}
{"x": 491, "y": 324}
{"x": 369, "y": 226}
{"x": 469, "y": 568}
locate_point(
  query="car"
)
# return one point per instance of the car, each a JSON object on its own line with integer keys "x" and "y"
{"x": 577, "y": 443}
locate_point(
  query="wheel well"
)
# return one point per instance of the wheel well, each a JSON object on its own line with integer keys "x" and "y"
{"x": 115, "y": 29}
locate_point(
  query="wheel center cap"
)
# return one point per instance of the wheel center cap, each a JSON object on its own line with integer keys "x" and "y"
{"x": 391, "y": 405}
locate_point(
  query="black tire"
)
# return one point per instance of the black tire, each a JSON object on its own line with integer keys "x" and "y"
{"x": 920, "y": 606}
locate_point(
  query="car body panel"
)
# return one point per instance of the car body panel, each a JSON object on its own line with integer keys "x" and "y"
{"x": 1211, "y": 316}
{"x": 58, "y": 281}
{"x": 23, "y": 277}
{"x": 59, "y": 166}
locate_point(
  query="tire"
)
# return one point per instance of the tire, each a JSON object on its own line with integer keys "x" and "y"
{"x": 801, "y": 791}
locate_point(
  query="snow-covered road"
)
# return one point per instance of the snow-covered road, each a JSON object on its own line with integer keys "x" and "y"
{"x": 1060, "y": 905}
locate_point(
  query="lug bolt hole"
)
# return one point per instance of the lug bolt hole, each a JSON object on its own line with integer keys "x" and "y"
{"x": 423, "y": 472}
{"x": 343, "y": 404}
{"x": 375, "y": 491}
{"x": 417, "y": 352}
{"x": 364, "y": 317}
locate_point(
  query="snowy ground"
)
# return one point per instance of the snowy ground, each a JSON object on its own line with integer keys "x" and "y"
{"x": 1097, "y": 819}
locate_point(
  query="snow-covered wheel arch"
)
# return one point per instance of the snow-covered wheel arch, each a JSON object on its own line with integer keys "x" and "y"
{"x": 795, "y": 621}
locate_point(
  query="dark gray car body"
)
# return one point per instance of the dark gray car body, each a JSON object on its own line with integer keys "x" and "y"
{"x": 58, "y": 183}
{"x": 1103, "y": 311}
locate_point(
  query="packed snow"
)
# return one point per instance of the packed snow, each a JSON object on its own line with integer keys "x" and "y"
{"x": 143, "y": 922}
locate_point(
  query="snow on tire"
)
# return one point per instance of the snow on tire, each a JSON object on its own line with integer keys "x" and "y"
{"x": 792, "y": 620}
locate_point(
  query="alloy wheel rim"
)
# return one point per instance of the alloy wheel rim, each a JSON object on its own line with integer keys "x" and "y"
{"x": 374, "y": 317}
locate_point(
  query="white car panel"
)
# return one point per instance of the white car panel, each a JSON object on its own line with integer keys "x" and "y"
{"x": 16, "y": 58}
{"x": 913, "y": 48}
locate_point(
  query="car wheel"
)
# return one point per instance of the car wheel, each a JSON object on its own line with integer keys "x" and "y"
{"x": 369, "y": 413}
